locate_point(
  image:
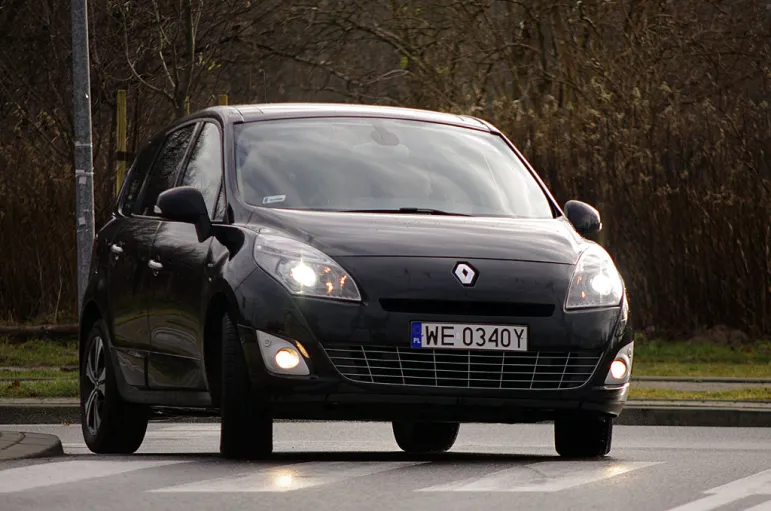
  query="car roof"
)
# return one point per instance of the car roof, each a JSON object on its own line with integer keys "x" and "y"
{"x": 270, "y": 111}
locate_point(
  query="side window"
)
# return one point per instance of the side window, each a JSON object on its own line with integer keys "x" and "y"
{"x": 164, "y": 171}
{"x": 136, "y": 177}
{"x": 204, "y": 169}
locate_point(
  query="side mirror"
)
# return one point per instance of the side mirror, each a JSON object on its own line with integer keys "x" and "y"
{"x": 186, "y": 204}
{"x": 584, "y": 218}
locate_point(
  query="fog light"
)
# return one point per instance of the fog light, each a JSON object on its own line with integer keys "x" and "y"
{"x": 621, "y": 368}
{"x": 618, "y": 369}
{"x": 287, "y": 358}
{"x": 281, "y": 356}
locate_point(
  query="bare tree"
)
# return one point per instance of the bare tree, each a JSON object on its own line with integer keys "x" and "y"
{"x": 169, "y": 46}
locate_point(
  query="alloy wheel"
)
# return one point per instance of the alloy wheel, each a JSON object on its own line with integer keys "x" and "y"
{"x": 96, "y": 379}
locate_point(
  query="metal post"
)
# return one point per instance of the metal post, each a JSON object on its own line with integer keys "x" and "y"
{"x": 84, "y": 173}
{"x": 120, "y": 135}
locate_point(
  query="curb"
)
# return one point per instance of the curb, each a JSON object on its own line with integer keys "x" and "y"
{"x": 701, "y": 414}
{"x": 15, "y": 445}
{"x": 636, "y": 413}
{"x": 23, "y": 411}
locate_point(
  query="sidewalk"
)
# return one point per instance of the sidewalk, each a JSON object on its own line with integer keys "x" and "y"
{"x": 15, "y": 445}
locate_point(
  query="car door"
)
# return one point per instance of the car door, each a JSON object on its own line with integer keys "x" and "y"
{"x": 180, "y": 288}
{"x": 132, "y": 270}
{"x": 142, "y": 226}
{"x": 130, "y": 239}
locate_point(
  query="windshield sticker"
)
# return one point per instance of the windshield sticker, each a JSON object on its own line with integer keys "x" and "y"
{"x": 273, "y": 199}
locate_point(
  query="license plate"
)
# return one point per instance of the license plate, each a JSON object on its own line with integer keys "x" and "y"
{"x": 469, "y": 337}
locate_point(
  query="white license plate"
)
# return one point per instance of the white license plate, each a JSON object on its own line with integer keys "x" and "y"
{"x": 469, "y": 337}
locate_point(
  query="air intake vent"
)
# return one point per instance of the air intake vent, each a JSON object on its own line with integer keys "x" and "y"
{"x": 538, "y": 370}
{"x": 453, "y": 307}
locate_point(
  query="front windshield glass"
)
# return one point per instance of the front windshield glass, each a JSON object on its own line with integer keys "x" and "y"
{"x": 355, "y": 164}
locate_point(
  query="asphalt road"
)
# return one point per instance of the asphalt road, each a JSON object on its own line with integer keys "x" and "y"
{"x": 349, "y": 466}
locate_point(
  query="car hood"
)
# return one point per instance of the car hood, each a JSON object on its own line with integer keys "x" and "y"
{"x": 412, "y": 235}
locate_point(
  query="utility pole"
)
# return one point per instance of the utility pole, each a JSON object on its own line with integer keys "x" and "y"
{"x": 84, "y": 165}
{"x": 120, "y": 135}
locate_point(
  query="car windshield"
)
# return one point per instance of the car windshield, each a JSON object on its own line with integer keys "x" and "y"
{"x": 383, "y": 165}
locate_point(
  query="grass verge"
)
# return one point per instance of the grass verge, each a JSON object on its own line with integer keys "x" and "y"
{"x": 39, "y": 353}
{"x": 45, "y": 372}
{"x": 666, "y": 358}
{"x": 40, "y": 359}
{"x": 744, "y": 394}
{"x": 39, "y": 389}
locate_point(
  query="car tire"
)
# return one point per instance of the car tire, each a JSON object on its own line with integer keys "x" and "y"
{"x": 110, "y": 424}
{"x": 246, "y": 426}
{"x": 425, "y": 437}
{"x": 585, "y": 437}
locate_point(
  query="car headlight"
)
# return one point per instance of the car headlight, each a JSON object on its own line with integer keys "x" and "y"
{"x": 595, "y": 281}
{"x": 302, "y": 269}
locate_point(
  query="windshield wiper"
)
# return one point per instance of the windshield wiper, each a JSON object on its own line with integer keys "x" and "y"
{"x": 405, "y": 211}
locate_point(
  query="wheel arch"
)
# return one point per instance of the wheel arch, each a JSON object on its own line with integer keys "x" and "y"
{"x": 91, "y": 314}
{"x": 220, "y": 303}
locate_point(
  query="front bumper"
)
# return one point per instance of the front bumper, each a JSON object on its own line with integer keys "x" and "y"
{"x": 343, "y": 400}
{"x": 337, "y": 398}
{"x": 326, "y": 394}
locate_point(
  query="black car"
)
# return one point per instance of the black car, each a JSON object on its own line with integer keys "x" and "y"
{"x": 340, "y": 262}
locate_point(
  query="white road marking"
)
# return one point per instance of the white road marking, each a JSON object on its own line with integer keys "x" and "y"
{"x": 547, "y": 476}
{"x": 765, "y": 506}
{"x": 758, "y": 484}
{"x": 50, "y": 474}
{"x": 288, "y": 477}
{"x": 205, "y": 427}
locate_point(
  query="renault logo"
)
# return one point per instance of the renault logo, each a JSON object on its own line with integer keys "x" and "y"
{"x": 466, "y": 274}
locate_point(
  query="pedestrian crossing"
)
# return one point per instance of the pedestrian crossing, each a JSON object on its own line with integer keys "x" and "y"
{"x": 193, "y": 476}
{"x": 51, "y": 474}
{"x": 755, "y": 485}
{"x": 287, "y": 477}
{"x": 317, "y": 463}
{"x": 542, "y": 477}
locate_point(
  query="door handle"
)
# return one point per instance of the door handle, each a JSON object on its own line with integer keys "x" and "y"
{"x": 155, "y": 265}
{"x": 116, "y": 249}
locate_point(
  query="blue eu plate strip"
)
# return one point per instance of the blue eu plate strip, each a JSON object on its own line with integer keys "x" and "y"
{"x": 417, "y": 329}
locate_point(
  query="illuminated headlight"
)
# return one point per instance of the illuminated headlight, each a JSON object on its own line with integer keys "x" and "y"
{"x": 303, "y": 270}
{"x": 595, "y": 281}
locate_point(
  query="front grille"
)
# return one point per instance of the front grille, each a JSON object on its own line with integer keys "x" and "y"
{"x": 538, "y": 370}
{"x": 471, "y": 308}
